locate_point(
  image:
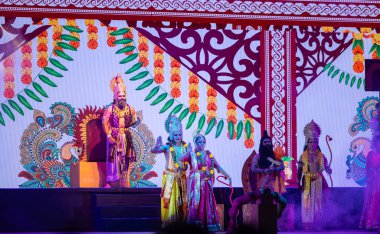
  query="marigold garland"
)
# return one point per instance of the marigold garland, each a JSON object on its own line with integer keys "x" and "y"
{"x": 9, "y": 78}
{"x": 57, "y": 31}
{"x": 249, "y": 143}
{"x": 375, "y": 41}
{"x": 129, "y": 35}
{"x": 42, "y": 49}
{"x": 111, "y": 39}
{"x": 92, "y": 34}
{"x": 158, "y": 65}
{"x": 175, "y": 78}
{"x": 231, "y": 116}
{"x": 211, "y": 103}
{"x": 76, "y": 44}
{"x": 26, "y": 64}
{"x": 358, "y": 52}
{"x": 193, "y": 92}
{"x": 143, "y": 50}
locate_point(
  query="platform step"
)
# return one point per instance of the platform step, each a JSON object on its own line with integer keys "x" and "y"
{"x": 130, "y": 212}
{"x": 129, "y": 224}
{"x": 120, "y": 200}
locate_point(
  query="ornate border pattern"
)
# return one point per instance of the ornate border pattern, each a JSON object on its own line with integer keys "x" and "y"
{"x": 280, "y": 11}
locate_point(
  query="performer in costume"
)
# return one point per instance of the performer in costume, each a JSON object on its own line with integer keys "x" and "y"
{"x": 310, "y": 178}
{"x": 268, "y": 177}
{"x": 201, "y": 200}
{"x": 370, "y": 218}
{"x": 117, "y": 119}
{"x": 173, "y": 194}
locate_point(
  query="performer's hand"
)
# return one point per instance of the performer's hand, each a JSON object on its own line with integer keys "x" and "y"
{"x": 189, "y": 148}
{"x": 158, "y": 142}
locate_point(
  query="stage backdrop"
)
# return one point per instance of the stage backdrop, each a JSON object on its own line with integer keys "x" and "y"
{"x": 58, "y": 80}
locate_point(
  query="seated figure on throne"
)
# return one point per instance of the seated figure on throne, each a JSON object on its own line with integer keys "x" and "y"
{"x": 117, "y": 119}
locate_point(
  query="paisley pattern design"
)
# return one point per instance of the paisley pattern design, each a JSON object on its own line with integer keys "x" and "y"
{"x": 46, "y": 164}
{"x": 365, "y": 111}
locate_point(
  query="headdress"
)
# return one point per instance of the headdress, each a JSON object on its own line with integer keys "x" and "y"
{"x": 311, "y": 130}
{"x": 117, "y": 86}
{"x": 265, "y": 135}
{"x": 198, "y": 133}
{"x": 173, "y": 124}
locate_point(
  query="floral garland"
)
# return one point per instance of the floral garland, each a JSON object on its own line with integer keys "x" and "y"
{"x": 248, "y": 143}
{"x": 57, "y": 31}
{"x": 327, "y": 29}
{"x": 129, "y": 35}
{"x": 42, "y": 49}
{"x": 9, "y": 78}
{"x": 358, "y": 52}
{"x": 143, "y": 50}
{"x": 204, "y": 165}
{"x": 92, "y": 36}
{"x": 111, "y": 39}
{"x": 158, "y": 65}
{"x": 26, "y": 64}
{"x": 75, "y": 44}
{"x": 175, "y": 78}
{"x": 193, "y": 92}
{"x": 231, "y": 117}
{"x": 211, "y": 103}
{"x": 174, "y": 155}
{"x": 376, "y": 43}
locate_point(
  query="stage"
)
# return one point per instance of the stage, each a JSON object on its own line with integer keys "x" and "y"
{"x": 138, "y": 210}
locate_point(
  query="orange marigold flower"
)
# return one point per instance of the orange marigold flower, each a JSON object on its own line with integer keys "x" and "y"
{"x": 43, "y": 34}
{"x": 159, "y": 63}
{"x": 110, "y": 41}
{"x": 247, "y": 116}
{"x": 75, "y": 44}
{"x": 211, "y": 92}
{"x": 42, "y": 47}
{"x": 230, "y": 105}
{"x": 194, "y": 79}
{"x": 128, "y": 35}
{"x": 357, "y": 50}
{"x": 92, "y": 29}
{"x": 9, "y": 93}
{"x": 193, "y": 108}
{"x": 8, "y": 62}
{"x": 374, "y": 55}
{"x": 193, "y": 94}
{"x": 159, "y": 78}
{"x": 212, "y": 106}
{"x": 26, "y": 49}
{"x": 175, "y": 63}
{"x": 176, "y": 93}
{"x": 248, "y": 143}
{"x": 358, "y": 67}
{"x": 175, "y": 78}
{"x": 92, "y": 44}
{"x": 233, "y": 136}
{"x": 8, "y": 77}
{"x": 26, "y": 63}
{"x": 143, "y": 47}
{"x": 232, "y": 118}
{"x": 158, "y": 50}
{"x": 109, "y": 28}
{"x": 26, "y": 79}
{"x": 56, "y": 36}
{"x": 144, "y": 60}
{"x": 42, "y": 63}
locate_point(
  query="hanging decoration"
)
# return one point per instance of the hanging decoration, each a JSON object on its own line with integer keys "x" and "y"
{"x": 111, "y": 39}
{"x": 92, "y": 34}
{"x": 9, "y": 84}
{"x": 158, "y": 65}
{"x": 249, "y": 132}
{"x": 42, "y": 49}
{"x": 193, "y": 92}
{"x": 211, "y": 103}
{"x": 349, "y": 79}
{"x": 74, "y": 43}
{"x": 143, "y": 50}
{"x": 375, "y": 49}
{"x": 129, "y": 35}
{"x": 57, "y": 31}
{"x": 231, "y": 120}
{"x": 175, "y": 78}
{"x": 26, "y": 63}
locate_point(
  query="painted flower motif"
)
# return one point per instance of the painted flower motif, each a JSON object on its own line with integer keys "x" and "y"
{"x": 203, "y": 168}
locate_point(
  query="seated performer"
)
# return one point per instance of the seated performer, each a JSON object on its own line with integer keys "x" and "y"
{"x": 117, "y": 119}
{"x": 267, "y": 172}
{"x": 201, "y": 200}
{"x": 173, "y": 194}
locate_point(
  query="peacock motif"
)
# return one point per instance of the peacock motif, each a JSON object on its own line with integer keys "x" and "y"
{"x": 356, "y": 162}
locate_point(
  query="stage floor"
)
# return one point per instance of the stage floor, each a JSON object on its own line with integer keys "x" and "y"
{"x": 295, "y": 232}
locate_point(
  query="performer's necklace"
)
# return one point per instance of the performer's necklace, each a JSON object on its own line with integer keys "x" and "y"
{"x": 121, "y": 113}
{"x": 200, "y": 155}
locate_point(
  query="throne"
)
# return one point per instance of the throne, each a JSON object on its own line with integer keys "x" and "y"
{"x": 90, "y": 170}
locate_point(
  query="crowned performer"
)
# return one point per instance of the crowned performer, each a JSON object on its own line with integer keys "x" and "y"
{"x": 118, "y": 118}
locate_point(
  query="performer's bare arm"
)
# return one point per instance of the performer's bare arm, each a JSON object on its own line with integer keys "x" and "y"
{"x": 255, "y": 164}
{"x": 159, "y": 148}
{"x": 222, "y": 171}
